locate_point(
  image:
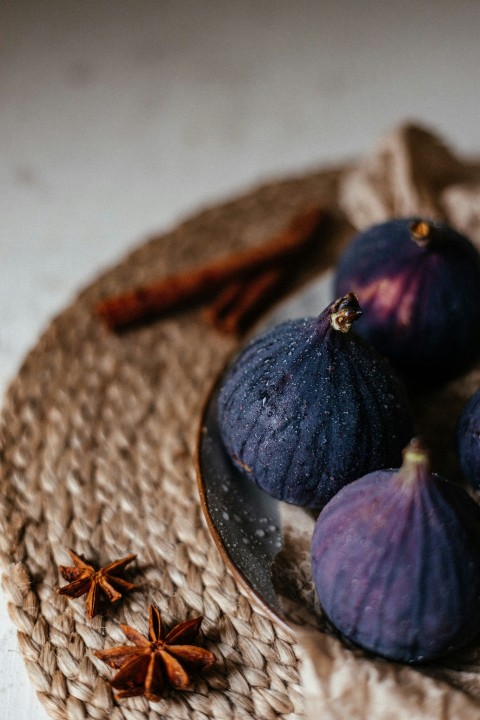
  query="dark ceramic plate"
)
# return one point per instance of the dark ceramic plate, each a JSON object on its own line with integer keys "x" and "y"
{"x": 244, "y": 521}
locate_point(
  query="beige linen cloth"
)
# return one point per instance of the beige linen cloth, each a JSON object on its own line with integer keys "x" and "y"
{"x": 410, "y": 173}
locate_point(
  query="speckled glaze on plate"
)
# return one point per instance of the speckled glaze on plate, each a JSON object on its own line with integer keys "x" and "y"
{"x": 244, "y": 521}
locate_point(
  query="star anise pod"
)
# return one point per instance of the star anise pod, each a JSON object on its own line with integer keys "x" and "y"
{"x": 146, "y": 667}
{"x": 85, "y": 579}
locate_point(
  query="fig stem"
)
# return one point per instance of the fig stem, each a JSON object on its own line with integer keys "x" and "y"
{"x": 425, "y": 232}
{"x": 416, "y": 459}
{"x": 344, "y": 312}
{"x": 420, "y": 232}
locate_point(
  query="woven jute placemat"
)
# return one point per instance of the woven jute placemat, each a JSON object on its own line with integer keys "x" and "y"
{"x": 97, "y": 454}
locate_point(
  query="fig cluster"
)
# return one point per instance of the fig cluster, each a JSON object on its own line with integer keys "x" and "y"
{"x": 315, "y": 414}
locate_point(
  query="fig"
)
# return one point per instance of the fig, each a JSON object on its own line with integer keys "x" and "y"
{"x": 418, "y": 282}
{"x": 396, "y": 562}
{"x": 307, "y": 407}
{"x": 468, "y": 440}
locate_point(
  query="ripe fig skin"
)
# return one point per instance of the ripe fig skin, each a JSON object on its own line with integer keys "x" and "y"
{"x": 468, "y": 440}
{"x": 418, "y": 282}
{"x": 305, "y": 409}
{"x": 397, "y": 565}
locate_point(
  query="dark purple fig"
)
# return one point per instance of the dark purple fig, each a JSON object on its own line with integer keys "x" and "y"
{"x": 396, "y": 562}
{"x": 468, "y": 440}
{"x": 307, "y": 407}
{"x": 418, "y": 282}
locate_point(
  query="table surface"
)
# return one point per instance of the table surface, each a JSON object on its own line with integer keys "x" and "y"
{"x": 120, "y": 118}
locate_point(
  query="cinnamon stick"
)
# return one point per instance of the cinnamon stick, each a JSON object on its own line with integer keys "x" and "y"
{"x": 234, "y": 309}
{"x": 196, "y": 284}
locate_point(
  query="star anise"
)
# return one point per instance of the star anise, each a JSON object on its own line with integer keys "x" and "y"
{"x": 85, "y": 579}
{"x": 146, "y": 667}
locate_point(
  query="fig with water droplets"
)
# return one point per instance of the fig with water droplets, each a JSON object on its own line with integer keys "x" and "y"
{"x": 418, "y": 282}
{"x": 396, "y": 562}
{"x": 308, "y": 407}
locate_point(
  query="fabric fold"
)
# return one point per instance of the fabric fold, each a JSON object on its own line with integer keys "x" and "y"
{"x": 412, "y": 172}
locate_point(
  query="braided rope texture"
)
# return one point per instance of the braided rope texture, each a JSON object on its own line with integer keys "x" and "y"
{"x": 97, "y": 440}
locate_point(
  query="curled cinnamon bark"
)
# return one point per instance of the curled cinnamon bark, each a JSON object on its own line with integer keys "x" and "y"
{"x": 202, "y": 283}
{"x": 232, "y": 310}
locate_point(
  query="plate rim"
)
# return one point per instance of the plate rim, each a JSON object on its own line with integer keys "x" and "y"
{"x": 239, "y": 576}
